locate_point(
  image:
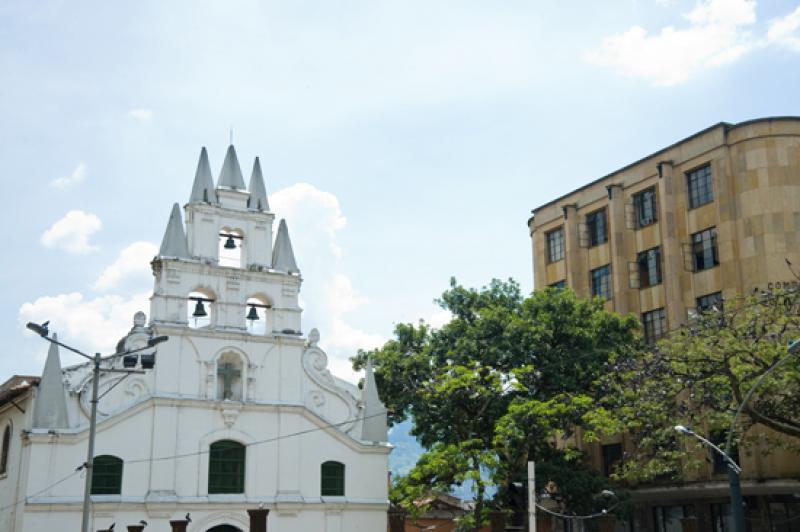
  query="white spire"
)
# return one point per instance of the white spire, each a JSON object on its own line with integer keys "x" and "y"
{"x": 50, "y": 410}
{"x": 373, "y": 427}
{"x": 258, "y": 192}
{"x": 231, "y": 174}
{"x": 174, "y": 242}
{"x": 203, "y": 188}
{"x": 282, "y": 254}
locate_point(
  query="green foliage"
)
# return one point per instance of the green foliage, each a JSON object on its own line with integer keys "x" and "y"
{"x": 499, "y": 383}
{"x": 699, "y": 375}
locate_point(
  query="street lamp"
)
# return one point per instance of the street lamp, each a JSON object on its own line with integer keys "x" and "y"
{"x": 43, "y": 331}
{"x": 734, "y": 470}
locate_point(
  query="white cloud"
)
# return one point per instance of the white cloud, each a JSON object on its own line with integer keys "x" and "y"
{"x": 71, "y": 233}
{"x": 141, "y": 115}
{"x": 132, "y": 264}
{"x": 93, "y": 325}
{"x": 784, "y": 31}
{"x": 75, "y": 178}
{"x": 716, "y": 36}
{"x": 329, "y": 295}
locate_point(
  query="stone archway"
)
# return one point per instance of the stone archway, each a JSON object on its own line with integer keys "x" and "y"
{"x": 224, "y": 528}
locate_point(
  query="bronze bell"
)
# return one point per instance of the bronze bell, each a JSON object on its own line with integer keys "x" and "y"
{"x": 252, "y": 315}
{"x": 199, "y": 310}
{"x": 230, "y": 244}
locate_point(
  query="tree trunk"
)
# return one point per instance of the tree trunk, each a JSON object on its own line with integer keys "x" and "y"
{"x": 479, "y": 506}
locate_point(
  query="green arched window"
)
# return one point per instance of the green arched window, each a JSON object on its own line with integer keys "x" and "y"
{"x": 332, "y": 475}
{"x": 106, "y": 475}
{"x": 226, "y": 467}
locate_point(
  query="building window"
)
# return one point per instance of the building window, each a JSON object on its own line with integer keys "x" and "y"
{"x": 668, "y": 518}
{"x": 6, "y": 450}
{"x": 709, "y": 302}
{"x": 704, "y": 249}
{"x": 721, "y": 517}
{"x": 597, "y": 227}
{"x": 226, "y": 463}
{"x": 106, "y": 475}
{"x": 720, "y": 466}
{"x": 649, "y": 267}
{"x": 655, "y": 325}
{"x": 784, "y": 514}
{"x": 332, "y": 479}
{"x": 601, "y": 282}
{"x": 555, "y": 245}
{"x": 560, "y": 285}
{"x": 701, "y": 190}
{"x": 644, "y": 207}
{"x": 612, "y": 456}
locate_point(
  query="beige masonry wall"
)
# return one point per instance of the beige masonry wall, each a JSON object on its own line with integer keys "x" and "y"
{"x": 755, "y": 170}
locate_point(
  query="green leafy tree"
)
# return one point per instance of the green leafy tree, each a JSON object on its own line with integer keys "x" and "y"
{"x": 700, "y": 374}
{"x": 498, "y": 384}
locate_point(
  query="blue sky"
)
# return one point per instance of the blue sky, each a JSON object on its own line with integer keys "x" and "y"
{"x": 404, "y": 142}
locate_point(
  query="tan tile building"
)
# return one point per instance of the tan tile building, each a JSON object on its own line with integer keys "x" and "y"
{"x": 711, "y": 216}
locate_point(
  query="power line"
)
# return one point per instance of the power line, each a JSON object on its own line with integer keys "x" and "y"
{"x": 51, "y": 486}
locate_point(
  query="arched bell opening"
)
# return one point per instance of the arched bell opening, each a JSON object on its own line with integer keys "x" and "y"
{"x": 231, "y": 244}
{"x": 257, "y": 314}
{"x": 200, "y": 308}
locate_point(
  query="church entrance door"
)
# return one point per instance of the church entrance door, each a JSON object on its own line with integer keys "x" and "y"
{"x": 224, "y": 528}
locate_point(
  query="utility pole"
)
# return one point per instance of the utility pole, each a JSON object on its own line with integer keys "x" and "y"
{"x": 531, "y": 497}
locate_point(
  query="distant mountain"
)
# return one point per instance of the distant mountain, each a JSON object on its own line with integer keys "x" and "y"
{"x": 406, "y": 452}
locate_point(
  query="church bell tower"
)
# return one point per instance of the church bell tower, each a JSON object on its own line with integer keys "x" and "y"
{"x": 223, "y": 272}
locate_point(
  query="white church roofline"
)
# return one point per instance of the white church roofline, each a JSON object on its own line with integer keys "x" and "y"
{"x": 282, "y": 254}
{"x": 174, "y": 242}
{"x": 77, "y": 434}
{"x": 231, "y": 174}
{"x": 258, "y": 192}
{"x": 213, "y": 502}
{"x": 203, "y": 188}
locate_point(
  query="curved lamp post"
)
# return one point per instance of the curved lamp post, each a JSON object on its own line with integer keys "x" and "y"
{"x": 43, "y": 331}
{"x": 734, "y": 470}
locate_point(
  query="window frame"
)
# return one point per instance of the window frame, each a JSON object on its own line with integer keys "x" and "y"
{"x": 700, "y": 250}
{"x": 612, "y": 454}
{"x": 226, "y": 474}
{"x": 551, "y": 258}
{"x": 334, "y": 477}
{"x": 713, "y": 299}
{"x": 595, "y": 221}
{"x": 605, "y": 283}
{"x": 638, "y": 206}
{"x": 643, "y": 258}
{"x": 107, "y": 472}
{"x": 6, "y": 450}
{"x": 650, "y": 320}
{"x": 697, "y": 194}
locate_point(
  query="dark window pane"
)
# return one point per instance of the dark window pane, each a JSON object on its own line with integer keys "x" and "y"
{"x": 597, "y": 227}
{"x": 649, "y": 267}
{"x": 655, "y": 325}
{"x": 700, "y": 186}
{"x": 644, "y": 206}
{"x": 555, "y": 245}
{"x": 612, "y": 455}
{"x": 601, "y": 282}
{"x": 226, "y": 466}
{"x": 106, "y": 475}
{"x": 709, "y": 302}
{"x": 704, "y": 249}
{"x": 332, "y": 474}
{"x": 559, "y": 284}
{"x": 6, "y": 449}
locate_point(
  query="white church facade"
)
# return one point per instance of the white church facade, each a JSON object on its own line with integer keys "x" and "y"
{"x": 236, "y": 411}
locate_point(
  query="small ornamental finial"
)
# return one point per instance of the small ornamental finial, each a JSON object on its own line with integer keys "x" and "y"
{"x": 313, "y": 338}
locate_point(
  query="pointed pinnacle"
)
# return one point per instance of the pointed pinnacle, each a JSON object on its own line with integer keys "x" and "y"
{"x": 258, "y": 192}
{"x": 231, "y": 174}
{"x": 203, "y": 187}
